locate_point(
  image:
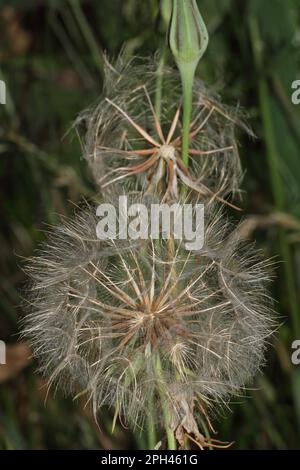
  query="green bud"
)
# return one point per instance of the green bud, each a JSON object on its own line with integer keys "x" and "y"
{"x": 188, "y": 34}
{"x": 188, "y": 39}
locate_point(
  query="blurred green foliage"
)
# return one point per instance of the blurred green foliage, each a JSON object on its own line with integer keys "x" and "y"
{"x": 51, "y": 56}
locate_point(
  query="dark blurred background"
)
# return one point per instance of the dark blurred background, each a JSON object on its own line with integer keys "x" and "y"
{"x": 51, "y": 59}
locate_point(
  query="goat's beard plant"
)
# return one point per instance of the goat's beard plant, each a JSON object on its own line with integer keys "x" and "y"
{"x": 134, "y": 142}
{"x": 163, "y": 335}
{"x": 147, "y": 328}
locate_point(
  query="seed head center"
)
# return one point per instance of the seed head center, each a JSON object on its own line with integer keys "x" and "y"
{"x": 167, "y": 152}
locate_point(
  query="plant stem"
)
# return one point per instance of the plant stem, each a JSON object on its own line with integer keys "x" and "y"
{"x": 166, "y": 414}
{"x": 187, "y": 86}
{"x": 287, "y": 107}
{"x": 151, "y": 431}
{"x": 87, "y": 33}
{"x": 159, "y": 82}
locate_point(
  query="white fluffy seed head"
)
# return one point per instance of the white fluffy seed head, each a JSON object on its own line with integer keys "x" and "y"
{"x": 132, "y": 325}
{"x": 130, "y": 92}
{"x": 129, "y": 324}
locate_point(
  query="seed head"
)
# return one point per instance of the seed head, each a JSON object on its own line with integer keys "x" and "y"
{"x": 124, "y": 137}
{"x": 132, "y": 325}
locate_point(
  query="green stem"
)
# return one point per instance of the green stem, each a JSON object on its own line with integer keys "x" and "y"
{"x": 159, "y": 83}
{"x": 187, "y": 77}
{"x": 287, "y": 107}
{"x": 151, "y": 431}
{"x": 87, "y": 33}
{"x": 166, "y": 414}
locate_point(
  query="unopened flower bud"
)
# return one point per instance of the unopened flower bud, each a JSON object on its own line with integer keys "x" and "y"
{"x": 188, "y": 34}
